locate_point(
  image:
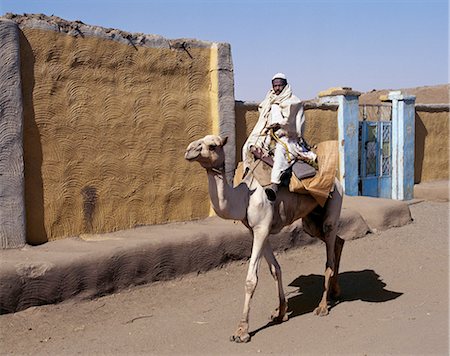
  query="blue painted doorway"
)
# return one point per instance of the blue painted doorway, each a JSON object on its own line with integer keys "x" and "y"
{"x": 375, "y": 152}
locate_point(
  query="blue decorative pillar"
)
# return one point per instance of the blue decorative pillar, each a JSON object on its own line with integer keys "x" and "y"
{"x": 403, "y": 123}
{"x": 348, "y": 112}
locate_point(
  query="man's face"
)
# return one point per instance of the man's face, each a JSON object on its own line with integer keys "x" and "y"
{"x": 278, "y": 85}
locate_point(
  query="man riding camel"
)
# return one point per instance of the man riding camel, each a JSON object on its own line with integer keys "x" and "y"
{"x": 279, "y": 131}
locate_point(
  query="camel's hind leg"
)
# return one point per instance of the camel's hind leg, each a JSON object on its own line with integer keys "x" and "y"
{"x": 330, "y": 272}
{"x": 335, "y": 289}
{"x": 279, "y": 314}
{"x": 259, "y": 239}
{"x": 334, "y": 245}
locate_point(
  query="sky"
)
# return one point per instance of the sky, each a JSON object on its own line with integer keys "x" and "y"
{"x": 318, "y": 44}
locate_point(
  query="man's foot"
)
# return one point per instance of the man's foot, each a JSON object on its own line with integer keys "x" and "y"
{"x": 271, "y": 192}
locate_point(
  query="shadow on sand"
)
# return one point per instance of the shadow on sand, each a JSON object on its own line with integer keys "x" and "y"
{"x": 363, "y": 285}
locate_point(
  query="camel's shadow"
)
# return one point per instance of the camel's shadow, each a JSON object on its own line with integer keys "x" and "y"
{"x": 363, "y": 285}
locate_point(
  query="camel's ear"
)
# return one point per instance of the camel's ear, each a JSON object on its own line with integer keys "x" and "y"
{"x": 224, "y": 140}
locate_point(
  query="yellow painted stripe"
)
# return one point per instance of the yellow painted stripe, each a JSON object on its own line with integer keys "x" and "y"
{"x": 214, "y": 92}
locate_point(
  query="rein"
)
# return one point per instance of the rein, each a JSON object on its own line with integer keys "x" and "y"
{"x": 276, "y": 138}
{"x": 216, "y": 171}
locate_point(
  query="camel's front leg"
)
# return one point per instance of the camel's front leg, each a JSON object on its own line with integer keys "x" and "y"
{"x": 259, "y": 237}
{"x": 322, "y": 308}
{"x": 279, "y": 315}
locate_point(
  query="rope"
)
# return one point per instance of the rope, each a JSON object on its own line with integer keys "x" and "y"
{"x": 276, "y": 138}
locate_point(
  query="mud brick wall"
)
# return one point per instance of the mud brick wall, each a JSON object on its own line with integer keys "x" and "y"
{"x": 12, "y": 208}
{"x": 107, "y": 116}
{"x": 431, "y": 161}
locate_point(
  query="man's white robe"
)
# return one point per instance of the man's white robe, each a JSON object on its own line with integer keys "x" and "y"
{"x": 287, "y": 111}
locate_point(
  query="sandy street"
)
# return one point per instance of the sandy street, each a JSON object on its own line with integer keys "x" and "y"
{"x": 395, "y": 288}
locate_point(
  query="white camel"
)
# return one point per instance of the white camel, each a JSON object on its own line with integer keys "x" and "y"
{"x": 248, "y": 203}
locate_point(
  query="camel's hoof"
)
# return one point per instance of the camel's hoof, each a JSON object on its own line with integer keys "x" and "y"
{"x": 321, "y": 311}
{"x": 278, "y": 317}
{"x": 241, "y": 334}
{"x": 240, "y": 338}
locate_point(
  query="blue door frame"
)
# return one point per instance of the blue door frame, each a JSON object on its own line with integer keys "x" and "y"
{"x": 376, "y": 158}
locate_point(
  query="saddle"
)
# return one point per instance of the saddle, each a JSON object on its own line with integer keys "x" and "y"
{"x": 300, "y": 168}
{"x": 301, "y": 178}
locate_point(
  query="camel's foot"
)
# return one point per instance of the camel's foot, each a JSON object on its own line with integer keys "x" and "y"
{"x": 280, "y": 314}
{"x": 321, "y": 310}
{"x": 241, "y": 334}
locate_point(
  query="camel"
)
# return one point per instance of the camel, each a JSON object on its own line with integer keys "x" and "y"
{"x": 248, "y": 203}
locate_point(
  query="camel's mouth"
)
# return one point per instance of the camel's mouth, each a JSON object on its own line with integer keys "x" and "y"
{"x": 193, "y": 150}
{"x": 191, "y": 155}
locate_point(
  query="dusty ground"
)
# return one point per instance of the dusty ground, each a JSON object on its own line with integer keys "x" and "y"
{"x": 395, "y": 301}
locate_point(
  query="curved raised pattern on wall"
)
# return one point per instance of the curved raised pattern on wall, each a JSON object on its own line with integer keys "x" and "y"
{"x": 112, "y": 122}
{"x": 12, "y": 206}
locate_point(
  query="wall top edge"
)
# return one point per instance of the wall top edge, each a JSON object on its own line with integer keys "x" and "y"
{"x": 396, "y": 95}
{"x": 346, "y": 91}
{"x": 432, "y": 107}
{"x": 80, "y": 29}
{"x": 308, "y": 104}
{"x": 246, "y": 103}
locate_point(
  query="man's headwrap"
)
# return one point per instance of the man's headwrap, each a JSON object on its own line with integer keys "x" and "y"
{"x": 279, "y": 76}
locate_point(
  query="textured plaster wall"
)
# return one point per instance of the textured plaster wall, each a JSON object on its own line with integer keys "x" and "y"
{"x": 246, "y": 114}
{"x": 12, "y": 211}
{"x": 321, "y": 125}
{"x": 431, "y": 146}
{"x": 105, "y": 129}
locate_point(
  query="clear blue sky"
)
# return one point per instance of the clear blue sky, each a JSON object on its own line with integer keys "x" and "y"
{"x": 364, "y": 44}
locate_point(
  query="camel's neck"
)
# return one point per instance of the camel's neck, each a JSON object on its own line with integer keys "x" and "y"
{"x": 227, "y": 202}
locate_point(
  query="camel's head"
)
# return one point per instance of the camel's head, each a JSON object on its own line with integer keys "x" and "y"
{"x": 207, "y": 151}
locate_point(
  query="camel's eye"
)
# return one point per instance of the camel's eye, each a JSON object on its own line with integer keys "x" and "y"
{"x": 212, "y": 147}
